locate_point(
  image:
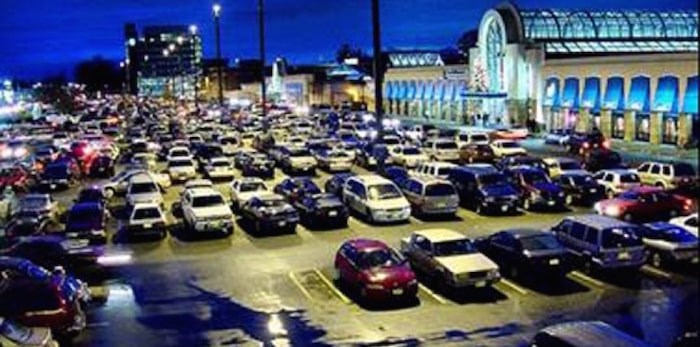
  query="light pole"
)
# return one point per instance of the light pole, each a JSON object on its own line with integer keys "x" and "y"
{"x": 166, "y": 54}
{"x": 263, "y": 88}
{"x": 217, "y": 25}
{"x": 193, "y": 69}
{"x": 378, "y": 80}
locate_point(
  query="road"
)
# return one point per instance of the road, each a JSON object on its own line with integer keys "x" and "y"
{"x": 277, "y": 291}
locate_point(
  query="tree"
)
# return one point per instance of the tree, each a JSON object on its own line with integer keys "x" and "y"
{"x": 99, "y": 74}
{"x": 468, "y": 40}
{"x": 346, "y": 51}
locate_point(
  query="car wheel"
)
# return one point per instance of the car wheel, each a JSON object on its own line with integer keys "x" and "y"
{"x": 526, "y": 204}
{"x": 660, "y": 185}
{"x": 569, "y": 200}
{"x": 109, "y": 193}
{"x": 627, "y": 217}
{"x": 610, "y": 194}
{"x": 656, "y": 260}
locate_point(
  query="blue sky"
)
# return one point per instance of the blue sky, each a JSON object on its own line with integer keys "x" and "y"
{"x": 47, "y": 36}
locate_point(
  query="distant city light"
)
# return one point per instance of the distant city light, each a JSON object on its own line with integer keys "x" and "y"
{"x": 193, "y": 29}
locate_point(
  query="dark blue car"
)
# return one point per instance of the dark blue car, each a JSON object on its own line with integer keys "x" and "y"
{"x": 86, "y": 220}
{"x": 484, "y": 189}
{"x": 322, "y": 210}
{"x": 536, "y": 189}
{"x": 334, "y": 185}
{"x": 396, "y": 174}
{"x": 294, "y": 188}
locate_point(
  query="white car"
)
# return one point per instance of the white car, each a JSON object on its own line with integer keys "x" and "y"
{"x": 178, "y": 152}
{"x": 143, "y": 189}
{"x": 689, "y": 223}
{"x": 335, "y": 160}
{"x": 617, "y": 181}
{"x": 437, "y": 169}
{"x": 472, "y": 138}
{"x": 199, "y": 183}
{"x": 117, "y": 185}
{"x": 451, "y": 257}
{"x": 219, "y": 167}
{"x": 298, "y": 159}
{"x": 229, "y": 144}
{"x": 438, "y": 149}
{"x": 247, "y": 138}
{"x": 244, "y": 189}
{"x": 559, "y": 166}
{"x": 181, "y": 169}
{"x": 407, "y": 156}
{"x": 205, "y": 210}
{"x": 146, "y": 219}
{"x": 377, "y": 198}
{"x": 506, "y": 148}
{"x": 145, "y": 160}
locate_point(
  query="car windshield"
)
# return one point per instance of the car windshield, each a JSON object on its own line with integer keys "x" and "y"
{"x": 147, "y": 213}
{"x": 683, "y": 170}
{"x": 581, "y": 179}
{"x": 446, "y": 145}
{"x": 440, "y": 189}
{"x": 380, "y": 258}
{"x": 455, "y": 247}
{"x": 338, "y": 154}
{"x": 221, "y": 163}
{"x": 444, "y": 171}
{"x": 228, "y": 141}
{"x": 91, "y": 216}
{"x": 535, "y": 177}
{"x": 252, "y": 187}
{"x": 509, "y": 144}
{"x": 392, "y": 141}
{"x": 621, "y": 238}
{"x": 143, "y": 188}
{"x": 180, "y": 163}
{"x": 571, "y": 165}
{"x": 180, "y": 153}
{"x": 629, "y": 178}
{"x": 411, "y": 151}
{"x": 539, "y": 243}
{"x": 299, "y": 153}
{"x": 492, "y": 179}
{"x": 33, "y": 202}
{"x": 56, "y": 171}
{"x": 383, "y": 191}
{"x": 207, "y": 201}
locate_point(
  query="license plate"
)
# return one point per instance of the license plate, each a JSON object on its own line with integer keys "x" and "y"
{"x": 441, "y": 205}
{"x": 332, "y": 213}
{"x": 148, "y": 226}
{"x": 397, "y": 291}
{"x": 480, "y": 284}
{"x": 216, "y": 225}
{"x": 551, "y": 203}
{"x": 282, "y": 223}
{"x": 553, "y": 261}
{"x": 624, "y": 256}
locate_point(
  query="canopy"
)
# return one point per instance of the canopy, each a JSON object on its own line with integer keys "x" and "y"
{"x": 615, "y": 94}
{"x": 638, "y": 99}
{"x": 591, "y": 93}
{"x": 570, "y": 97}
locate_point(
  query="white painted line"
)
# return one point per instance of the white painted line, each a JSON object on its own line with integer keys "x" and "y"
{"x": 514, "y": 286}
{"x": 332, "y": 287}
{"x": 587, "y": 279}
{"x": 416, "y": 220}
{"x": 650, "y": 270}
{"x": 432, "y": 294}
{"x": 300, "y": 286}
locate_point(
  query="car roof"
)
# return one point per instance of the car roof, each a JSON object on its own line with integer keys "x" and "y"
{"x": 524, "y": 232}
{"x": 141, "y": 178}
{"x": 250, "y": 180}
{"x": 371, "y": 179}
{"x": 86, "y": 205}
{"x": 198, "y": 183}
{"x": 426, "y": 180}
{"x": 593, "y": 333}
{"x": 440, "y": 235}
{"x": 618, "y": 171}
{"x": 441, "y": 164}
{"x": 559, "y": 160}
{"x": 203, "y": 191}
{"x": 478, "y": 168}
{"x": 367, "y": 244}
{"x": 145, "y": 205}
{"x": 598, "y": 221}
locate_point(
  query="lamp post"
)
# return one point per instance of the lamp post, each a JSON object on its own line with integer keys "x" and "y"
{"x": 216, "y": 8}
{"x": 263, "y": 88}
{"x": 378, "y": 79}
{"x": 193, "y": 31}
{"x": 166, "y": 54}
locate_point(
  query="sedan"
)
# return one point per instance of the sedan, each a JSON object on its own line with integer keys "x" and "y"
{"x": 269, "y": 213}
{"x": 322, "y": 210}
{"x": 476, "y": 153}
{"x": 294, "y": 188}
{"x": 374, "y": 270}
{"x": 669, "y": 243}
{"x": 644, "y": 204}
{"x": 580, "y": 188}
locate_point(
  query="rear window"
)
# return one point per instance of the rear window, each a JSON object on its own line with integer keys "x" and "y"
{"x": 147, "y": 213}
{"x": 570, "y": 166}
{"x": 539, "y": 242}
{"x": 444, "y": 171}
{"x": 683, "y": 170}
{"x": 629, "y": 178}
{"x": 207, "y": 201}
{"x": 620, "y": 238}
{"x": 446, "y": 145}
{"x": 411, "y": 151}
{"x": 440, "y": 189}
{"x": 479, "y": 137}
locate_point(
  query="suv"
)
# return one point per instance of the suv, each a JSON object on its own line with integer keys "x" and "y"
{"x": 434, "y": 169}
{"x": 87, "y": 220}
{"x": 146, "y": 220}
{"x": 204, "y": 210}
{"x": 667, "y": 175}
{"x": 484, "y": 189}
{"x": 617, "y": 181}
{"x": 431, "y": 196}
{"x": 143, "y": 189}
{"x": 601, "y": 242}
{"x": 377, "y": 198}
{"x": 442, "y": 150}
{"x": 537, "y": 189}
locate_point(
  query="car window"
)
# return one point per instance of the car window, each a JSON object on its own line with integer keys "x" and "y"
{"x": 503, "y": 240}
{"x": 454, "y": 247}
{"x": 666, "y": 170}
{"x": 577, "y": 231}
{"x": 539, "y": 242}
{"x": 422, "y": 243}
{"x": 379, "y": 258}
{"x": 629, "y": 178}
{"x": 643, "y": 168}
{"x": 147, "y": 213}
{"x": 655, "y": 169}
{"x": 440, "y": 189}
{"x": 592, "y": 236}
{"x": 620, "y": 238}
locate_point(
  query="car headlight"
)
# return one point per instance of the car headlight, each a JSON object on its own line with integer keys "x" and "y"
{"x": 406, "y": 209}
{"x": 613, "y": 211}
{"x": 378, "y": 277}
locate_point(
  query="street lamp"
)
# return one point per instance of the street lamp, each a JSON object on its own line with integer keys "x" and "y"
{"x": 261, "y": 23}
{"x": 378, "y": 79}
{"x": 193, "y": 31}
{"x": 216, "y": 8}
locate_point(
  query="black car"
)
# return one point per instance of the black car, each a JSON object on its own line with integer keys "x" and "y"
{"x": 322, "y": 210}
{"x": 204, "y": 152}
{"x": 50, "y": 251}
{"x": 102, "y": 166}
{"x": 57, "y": 176}
{"x": 269, "y": 213}
{"x": 580, "y": 188}
{"x": 537, "y": 190}
{"x": 28, "y": 223}
{"x": 334, "y": 185}
{"x": 584, "y": 334}
{"x": 396, "y": 174}
{"x": 256, "y": 165}
{"x": 581, "y": 143}
{"x": 294, "y": 188}
{"x": 87, "y": 220}
{"x": 597, "y": 160}
{"x": 529, "y": 253}
{"x": 510, "y": 162}
{"x": 484, "y": 189}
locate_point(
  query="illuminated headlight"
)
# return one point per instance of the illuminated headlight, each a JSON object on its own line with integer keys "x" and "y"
{"x": 490, "y": 199}
{"x": 20, "y": 152}
{"x": 378, "y": 277}
{"x": 613, "y": 211}
{"x": 6, "y": 153}
{"x": 406, "y": 210}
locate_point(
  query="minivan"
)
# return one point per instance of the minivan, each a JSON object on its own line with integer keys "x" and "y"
{"x": 431, "y": 196}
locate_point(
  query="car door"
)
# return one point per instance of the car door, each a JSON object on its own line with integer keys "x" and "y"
{"x": 421, "y": 254}
{"x": 643, "y": 172}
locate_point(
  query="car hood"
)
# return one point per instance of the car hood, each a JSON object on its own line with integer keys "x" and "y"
{"x": 398, "y": 273}
{"x": 327, "y": 200}
{"x": 499, "y": 190}
{"x": 182, "y": 169}
{"x": 464, "y": 263}
{"x": 213, "y": 211}
{"x": 388, "y": 203}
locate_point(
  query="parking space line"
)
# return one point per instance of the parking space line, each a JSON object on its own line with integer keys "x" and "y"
{"x": 586, "y": 279}
{"x": 652, "y": 271}
{"x": 514, "y": 286}
{"x": 432, "y": 294}
{"x": 416, "y": 220}
{"x": 303, "y": 290}
{"x": 332, "y": 287}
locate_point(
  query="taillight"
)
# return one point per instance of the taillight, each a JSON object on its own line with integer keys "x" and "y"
{"x": 606, "y": 144}
{"x": 586, "y": 145}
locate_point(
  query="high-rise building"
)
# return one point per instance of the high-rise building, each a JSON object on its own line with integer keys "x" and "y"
{"x": 165, "y": 61}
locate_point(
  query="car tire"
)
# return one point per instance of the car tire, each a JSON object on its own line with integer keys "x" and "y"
{"x": 610, "y": 194}
{"x": 109, "y": 193}
{"x": 660, "y": 185}
{"x": 656, "y": 260}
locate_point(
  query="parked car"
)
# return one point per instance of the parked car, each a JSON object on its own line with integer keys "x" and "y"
{"x": 449, "y": 257}
{"x": 526, "y": 253}
{"x": 143, "y": 189}
{"x": 181, "y": 169}
{"x": 87, "y": 220}
{"x": 43, "y": 204}
{"x": 513, "y": 133}
{"x": 667, "y": 175}
{"x": 559, "y": 137}
{"x": 689, "y": 223}
{"x": 322, "y": 210}
{"x": 558, "y": 166}
{"x": 582, "y": 143}
{"x": 584, "y": 334}
{"x": 298, "y": 160}
{"x": 484, "y": 189}
{"x": 597, "y": 160}
{"x": 269, "y": 213}
{"x": 377, "y": 198}
{"x": 179, "y": 153}
{"x": 256, "y": 164}
{"x": 580, "y": 188}
{"x": 119, "y": 183}
{"x": 28, "y": 223}
{"x": 442, "y": 150}
{"x": 617, "y": 181}
{"x": 334, "y": 185}
{"x": 374, "y": 270}
{"x": 146, "y": 220}
{"x": 602, "y": 243}
{"x": 472, "y": 138}
{"x": 537, "y": 190}
{"x": 669, "y": 243}
{"x": 219, "y": 168}
{"x": 505, "y": 148}
{"x": 294, "y": 188}
{"x": 204, "y": 211}
{"x": 430, "y": 196}
{"x": 334, "y": 160}
{"x": 102, "y": 166}
{"x": 16, "y": 177}
{"x": 58, "y": 176}
{"x": 407, "y": 156}
{"x": 476, "y": 153}
{"x": 644, "y": 204}
{"x": 243, "y": 189}
{"x": 13, "y": 334}
{"x": 396, "y": 174}
{"x": 436, "y": 169}
{"x": 507, "y": 163}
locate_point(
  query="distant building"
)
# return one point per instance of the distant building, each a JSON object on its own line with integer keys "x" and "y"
{"x": 165, "y": 61}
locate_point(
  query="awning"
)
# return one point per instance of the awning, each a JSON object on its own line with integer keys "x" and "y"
{"x": 615, "y": 94}
{"x": 429, "y": 91}
{"x": 570, "y": 94}
{"x": 690, "y": 100}
{"x": 420, "y": 90}
{"x": 591, "y": 94}
{"x": 450, "y": 91}
{"x": 389, "y": 90}
{"x": 666, "y": 97}
{"x": 638, "y": 99}
{"x": 551, "y": 93}
{"x": 411, "y": 94}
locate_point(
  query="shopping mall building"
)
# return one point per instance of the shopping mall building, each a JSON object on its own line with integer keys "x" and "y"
{"x": 633, "y": 74}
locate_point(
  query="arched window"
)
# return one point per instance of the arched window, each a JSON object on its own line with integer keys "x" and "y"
{"x": 494, "y": 55}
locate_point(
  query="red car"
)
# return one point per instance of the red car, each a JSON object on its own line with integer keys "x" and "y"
{"x": 375, "y": 270}
{"x": 645, "y": 204}
{"x": 515, "y": 133}
{"x": 16, "y": 177}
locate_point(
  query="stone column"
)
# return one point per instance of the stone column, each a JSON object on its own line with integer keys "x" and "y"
{"x": 630, "y": 125}
{"x": 655, "y": 128}
{"x": 685, "y": 129}
{"x": 606, "y": 123}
